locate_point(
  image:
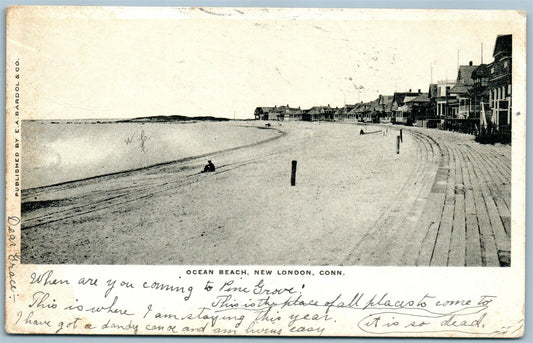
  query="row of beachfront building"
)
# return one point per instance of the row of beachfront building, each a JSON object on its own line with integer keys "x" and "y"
{"x": 478, "y": 100}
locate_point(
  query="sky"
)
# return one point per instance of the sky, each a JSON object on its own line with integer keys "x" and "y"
{"x": 224, "y": 62}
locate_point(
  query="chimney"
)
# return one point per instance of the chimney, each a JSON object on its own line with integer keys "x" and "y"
{"x": 409, "y": 90}
{"x": 419, "y": 91}
{"x": 470, "y": 63}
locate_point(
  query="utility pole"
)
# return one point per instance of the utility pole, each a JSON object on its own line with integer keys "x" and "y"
{"x": 457, "y": 59}
{"x": 481, "y": 52}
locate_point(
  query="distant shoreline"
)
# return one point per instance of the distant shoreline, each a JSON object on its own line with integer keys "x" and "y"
{"x": 150, "y": 119}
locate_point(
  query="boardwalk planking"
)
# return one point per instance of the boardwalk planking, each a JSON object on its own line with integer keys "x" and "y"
{"x": 475, "y": 219}
{"x": 472, "y": 240}
{"x": 503, "y": 242}
{"x": 458, "y": 244}
{"x": 424, "y": 241}
{"x": 442, "y": 244}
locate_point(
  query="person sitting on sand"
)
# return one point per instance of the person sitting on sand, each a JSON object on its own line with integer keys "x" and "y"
{"x": 209, "y": 167}
{"x": 362, "y": 132}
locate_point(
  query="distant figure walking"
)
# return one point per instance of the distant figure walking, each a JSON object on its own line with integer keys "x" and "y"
{"x": 362, "y": 132}
{"x": 209, "y": 167}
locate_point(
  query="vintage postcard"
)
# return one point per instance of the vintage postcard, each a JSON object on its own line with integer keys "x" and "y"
{"x": 265, "y": 172}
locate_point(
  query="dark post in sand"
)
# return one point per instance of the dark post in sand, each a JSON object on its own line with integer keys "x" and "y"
{"x": 293, "y": 174}
{"x": 397, "y": 144}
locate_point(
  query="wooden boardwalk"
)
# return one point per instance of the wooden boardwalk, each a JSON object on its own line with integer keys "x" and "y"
{"x": 455, "y": 209}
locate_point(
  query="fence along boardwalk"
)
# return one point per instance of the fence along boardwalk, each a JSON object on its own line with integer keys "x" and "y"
{"x": 453, "y": 211}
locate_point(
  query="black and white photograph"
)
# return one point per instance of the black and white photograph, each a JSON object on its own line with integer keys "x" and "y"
{"x": 338, "y": 143}
{"x": 243, "y": 142}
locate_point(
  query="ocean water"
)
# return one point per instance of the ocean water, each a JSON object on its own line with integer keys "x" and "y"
{"x": 55, "y": 152}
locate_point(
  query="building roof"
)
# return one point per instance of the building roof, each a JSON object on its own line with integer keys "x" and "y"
{"x": 399, "y": 97}
{"x": 352, "y": 111}
{"x": 287, "y": 109}
{"x": 503, "y": 45}
{"x": 385, "y": 99}
{"x": 464, "y": 75}
{"x": 409, "y": 98}
{"x": 340, "y": 111}
{"x": 316, "y": 110}
{"x": 421, "y": 98}
{"x": 481, "y": 71}
{"x": 357, "y": 108}
{"x": 460, "y": 89}
{"x": 372, "y": 105}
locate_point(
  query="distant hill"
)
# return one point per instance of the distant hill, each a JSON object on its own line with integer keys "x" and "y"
{"x": 173, "y": 118}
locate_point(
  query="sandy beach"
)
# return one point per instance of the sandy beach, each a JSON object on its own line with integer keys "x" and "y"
{"x": 356, "y": 202}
